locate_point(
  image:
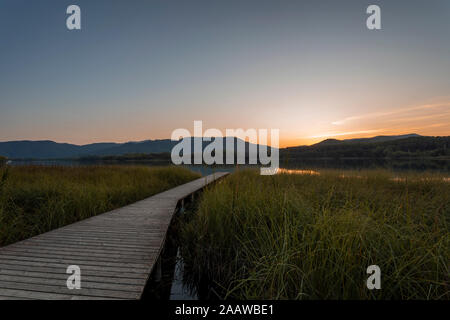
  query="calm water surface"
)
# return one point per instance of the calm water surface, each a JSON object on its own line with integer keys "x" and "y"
{"x": 301, "y": 166}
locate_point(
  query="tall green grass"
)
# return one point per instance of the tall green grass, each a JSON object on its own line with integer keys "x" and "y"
{"x": 313, "y": 236}
{"x": 36, "y": 199}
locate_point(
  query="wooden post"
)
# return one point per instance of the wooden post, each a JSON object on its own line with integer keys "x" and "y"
{"x": 182, "y": 206}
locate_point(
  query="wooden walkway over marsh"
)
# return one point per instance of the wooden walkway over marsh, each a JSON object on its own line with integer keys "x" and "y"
{"x": 116, "y": 251}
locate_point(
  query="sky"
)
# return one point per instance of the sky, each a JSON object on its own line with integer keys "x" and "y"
{"x": 138, "y": 70}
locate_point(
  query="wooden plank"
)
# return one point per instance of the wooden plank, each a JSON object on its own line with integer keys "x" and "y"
{"x": 111, "y": 257}
{"x": 62, "y": 282}
{"x": 73, "y": 260}
{"x": 25, "y": 295}
{"x": 94, "y": 266}
{"x": 106, "y": 240}
{"x": 63, "y": 276}
{"x": 109, "y": 251}
{"x": 116, "y": 251}
{"x": 58, "y": 270}
{"x": 3, "y": 298}
{"x": 97, "y": 244}
{"x": 62, "y": 289}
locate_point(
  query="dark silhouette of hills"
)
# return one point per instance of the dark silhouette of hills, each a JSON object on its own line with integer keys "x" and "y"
{"x": 367, "y": 140}
{"x": 404, "y": 146}
{"x": 410, "y": 145}
{"x": 54, "y": 150}
{"x": 48, "y": 149}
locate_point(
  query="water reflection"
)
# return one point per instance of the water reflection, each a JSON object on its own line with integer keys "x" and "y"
{"x": 299, "y": 166}
{"x": 297, "y": 171}
{"x": 402, "y": 179}
{"x": 179, "y": 290}
{"x": 418, "y": 165}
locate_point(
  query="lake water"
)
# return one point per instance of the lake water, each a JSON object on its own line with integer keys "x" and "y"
{"x": 417, "y": 165}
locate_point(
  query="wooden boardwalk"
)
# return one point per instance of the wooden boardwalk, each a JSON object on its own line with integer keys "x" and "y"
{"x": 116, "y": 252}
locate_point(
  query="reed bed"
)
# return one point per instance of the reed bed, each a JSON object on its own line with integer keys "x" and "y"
{"x": 36, "y": 199}
{"x": 312, "y": 236}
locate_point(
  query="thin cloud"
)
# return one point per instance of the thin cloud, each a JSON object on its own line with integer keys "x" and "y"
{"x": 384, "y": 114}
{"x": 431, "y": 116}
{"x": 336, "y": 134}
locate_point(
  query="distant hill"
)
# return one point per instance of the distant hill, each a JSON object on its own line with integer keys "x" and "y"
{"x": 377, "y": 147}
{"x": 368, "y": 140}
{"x": 48, "y": 149}
{"x": 54, "y": 150}
{"x": 410, "y": 145}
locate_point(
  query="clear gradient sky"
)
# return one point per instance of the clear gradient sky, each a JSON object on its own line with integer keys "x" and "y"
{"x": 140, "y": 69}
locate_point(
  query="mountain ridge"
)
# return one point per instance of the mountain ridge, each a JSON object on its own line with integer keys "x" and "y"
{"x": 380, "y": 138}
{"x": 47, "y": 149}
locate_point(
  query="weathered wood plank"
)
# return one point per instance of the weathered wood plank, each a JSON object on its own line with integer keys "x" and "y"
{"x": 97, "y": 244}
{"x": 111, "y": 257}
{"x": 73, "y": 260}
{"x": 62, "y": 282}
{"x": 85, "y": 267}
{"x": 62, "y": 289}
{"x": 85, "y": 272}
{"x": 25, "y": 295}
{"x": 108, "y": 251}
{"x": 63, "y": 276}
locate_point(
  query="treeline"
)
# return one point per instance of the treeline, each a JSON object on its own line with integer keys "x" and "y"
{"x": 414, "y": 147}
{"x": 164, "y": 156}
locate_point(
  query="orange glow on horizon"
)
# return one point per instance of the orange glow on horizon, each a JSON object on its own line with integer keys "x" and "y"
{"x": 285, "y": 141}
{"x": 295, "y": 142}
{"x": 427, "y": 119}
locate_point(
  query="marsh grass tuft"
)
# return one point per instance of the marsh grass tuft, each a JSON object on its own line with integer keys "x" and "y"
{"x": 36, "y": 199}
{"x": 313, "y": 236}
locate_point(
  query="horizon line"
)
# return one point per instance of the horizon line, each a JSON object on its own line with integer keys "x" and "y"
{"x": 161, "y": 139}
